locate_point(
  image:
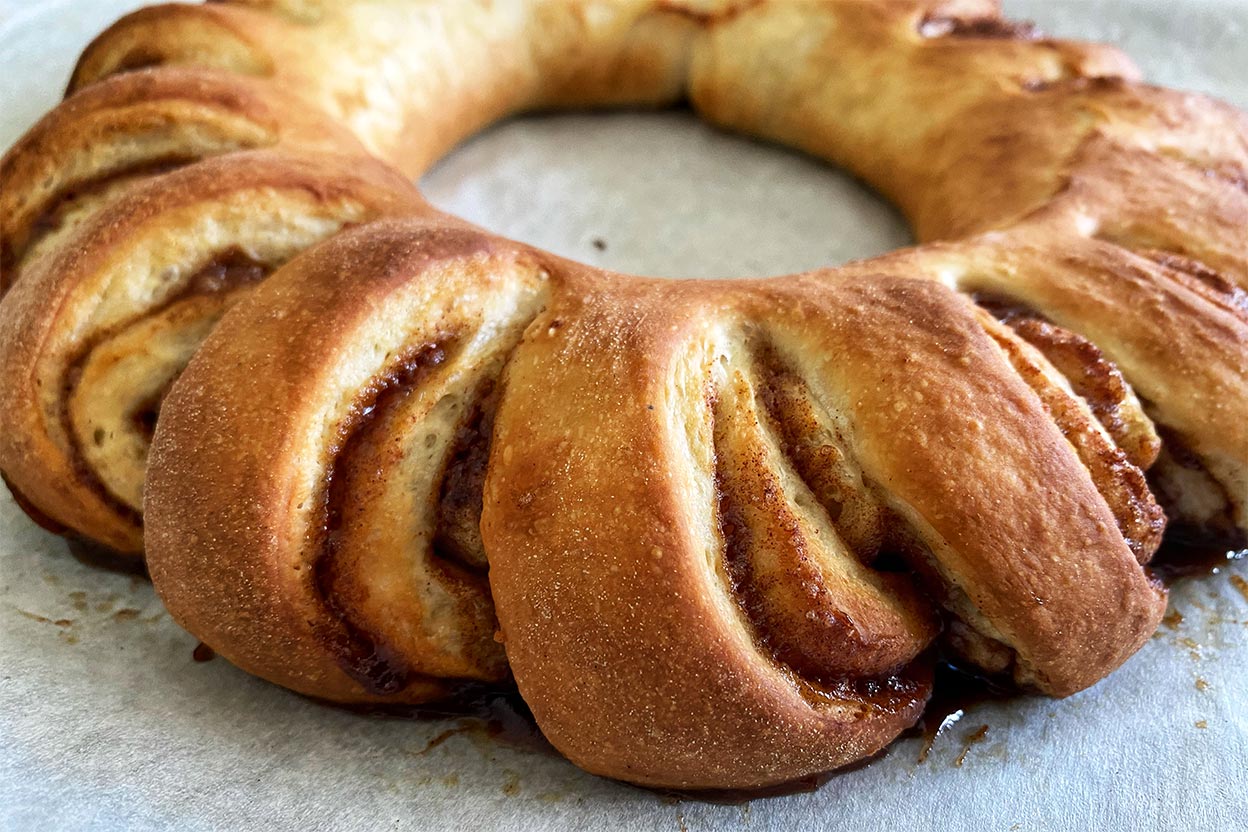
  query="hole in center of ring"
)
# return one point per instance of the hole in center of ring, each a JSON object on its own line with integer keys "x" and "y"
{"x": 662, "y": 194}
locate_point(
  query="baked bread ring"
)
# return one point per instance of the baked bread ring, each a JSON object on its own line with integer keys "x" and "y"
{"x": 723, "y": 521}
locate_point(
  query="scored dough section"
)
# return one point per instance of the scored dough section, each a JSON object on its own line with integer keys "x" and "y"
{"x": 401, "y": 559}
{"x": 337, "y": 471}
{"x": 1178, "y": 340}
{"x": 606, "y": 552}
{"x": 812, "y": 602}
{"x": 115, "y": 386}
{"x": 123, "y": 131}
{"x": 1121, "y": 481}
{"x": 92, "y": 335}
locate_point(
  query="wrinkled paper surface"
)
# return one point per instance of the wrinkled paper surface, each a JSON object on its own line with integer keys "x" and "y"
{"x": 107, "y": 723}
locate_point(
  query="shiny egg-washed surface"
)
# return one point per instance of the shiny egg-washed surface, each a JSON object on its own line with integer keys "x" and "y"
{"x": 686, "y": 485}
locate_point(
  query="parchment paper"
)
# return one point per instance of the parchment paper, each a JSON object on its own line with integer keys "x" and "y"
{"x": 107, "y": 723}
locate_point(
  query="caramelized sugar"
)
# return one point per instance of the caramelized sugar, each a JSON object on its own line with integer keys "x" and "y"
{"x": 377, "y": 668}
{"x": 955, "y": 692}
{"x": 1187, "y": 553}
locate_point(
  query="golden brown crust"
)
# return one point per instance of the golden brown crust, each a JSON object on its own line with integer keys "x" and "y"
{"x": 688, "y": 487}
{"x": 212, "y": 35}
{"x": 136, "y": 262}
{"x": 629, "y": 362}
{"x": 1178, "y": 334}
{"x": 144, "y": 123}
{"x": 243, "y": 490}
{"x": 611, "y": 619}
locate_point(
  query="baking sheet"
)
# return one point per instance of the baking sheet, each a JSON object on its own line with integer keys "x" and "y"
{"x": 106, "y": 722}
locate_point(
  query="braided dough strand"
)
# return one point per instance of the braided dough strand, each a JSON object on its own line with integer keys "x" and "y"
{"x": 95, "y": 331}
{"x": 313, "y": 487}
